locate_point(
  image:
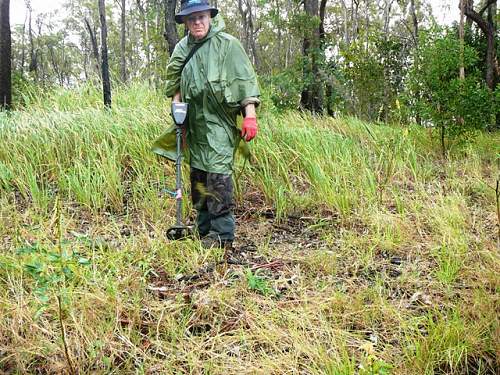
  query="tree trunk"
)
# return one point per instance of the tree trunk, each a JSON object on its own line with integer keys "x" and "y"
{"x": 461, "y": 36}
{"x": 414, "y": 18}
{"x": 5, "y": 56}
{"x": 106, "y": 85}
{"x": 488, "y": 28}
{"x": 354, "y": 19}
{"x": 23, "y": 46}
{"x": 171, "y": 34}
{"x": 249, "y": 32}
{"x": 95, "y": 48}
{"x": 367, "y": 26}
{"x": 329, "y": 89}
{"x": 416, "y": 40}
{"x": 289, "y": 38}
{"x": 244, "y": 19}
{"x": 33, "y": 67}
{"x": 123, "y": 61}
{"x": 468, "y": 21}
{"x": 492, "y": 46}
{"x": 252, "y": 33}
{"x": 145, "y": 38}
{"x": 345, "y": 12}
{"x": 55, "y": 66}
{"x": 85, "y": 62}
{"x": 312, "y": 93}
{"x": 461, "y": 33}
{"x": 322, "y": 13}
{"x": 387, "y": 16}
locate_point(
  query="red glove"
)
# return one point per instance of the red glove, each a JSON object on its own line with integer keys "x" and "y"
{"x": 249, "y": 128}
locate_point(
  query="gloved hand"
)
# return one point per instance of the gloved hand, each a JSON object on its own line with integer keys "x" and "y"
{"x": 249, "y": 128}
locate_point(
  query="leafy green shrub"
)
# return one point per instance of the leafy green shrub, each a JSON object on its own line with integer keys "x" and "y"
{"x": 258, "y": 283}
{"x": 459, "y": 108}
{"x": 284, "y": 89}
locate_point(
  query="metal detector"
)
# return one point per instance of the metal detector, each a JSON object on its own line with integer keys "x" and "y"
{"x": 179, "y": 230}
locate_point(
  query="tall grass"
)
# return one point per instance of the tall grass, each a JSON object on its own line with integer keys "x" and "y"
{"x": 101, "y": 159}
{"x": 82, "y": 152}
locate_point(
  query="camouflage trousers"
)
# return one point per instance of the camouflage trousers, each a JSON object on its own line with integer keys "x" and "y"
{"x": 212, "y": 196}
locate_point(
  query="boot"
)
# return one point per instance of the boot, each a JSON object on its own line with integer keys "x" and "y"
{"x": 215, "y": 242}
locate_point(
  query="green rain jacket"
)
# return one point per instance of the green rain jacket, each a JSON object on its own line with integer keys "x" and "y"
{"x": 216, "y": 82}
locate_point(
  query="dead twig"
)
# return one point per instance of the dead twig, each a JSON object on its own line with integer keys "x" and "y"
{"x": 277, "y": 264}
{"x": 497, "y": 194}
{"x": 63, "y": 336}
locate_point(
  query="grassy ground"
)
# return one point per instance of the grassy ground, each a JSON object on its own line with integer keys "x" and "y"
{"x": 362, "y": 251}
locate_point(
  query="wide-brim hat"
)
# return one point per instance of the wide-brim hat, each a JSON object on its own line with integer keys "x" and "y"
{"x": 193, "y": 6}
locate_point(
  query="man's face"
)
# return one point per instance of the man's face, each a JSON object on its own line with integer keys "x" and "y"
{"x": 198, "y": 24}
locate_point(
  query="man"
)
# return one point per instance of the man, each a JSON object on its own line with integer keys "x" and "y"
{"x": 219, "y": 83}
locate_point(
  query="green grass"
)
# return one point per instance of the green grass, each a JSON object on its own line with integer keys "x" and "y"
{"x": 381, "y": 257}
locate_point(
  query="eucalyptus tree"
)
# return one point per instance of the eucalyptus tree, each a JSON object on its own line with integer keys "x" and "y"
{"x": 312, "y": 96}
{"x": 143, "y": 7}
{"x": 106, "y": 84}
{"x": 93, "y": 43}
{"x": 489, "y": 27}
{"x": 123, "y": 27}
{"x": 248, "y": 13}
{"x": 5, "y": 56}
{"x": 171, "y": 34}
{"x": 33, "y": 65}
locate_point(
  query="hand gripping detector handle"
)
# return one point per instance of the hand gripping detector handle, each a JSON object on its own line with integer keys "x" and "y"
{"x": 179, "y": 113}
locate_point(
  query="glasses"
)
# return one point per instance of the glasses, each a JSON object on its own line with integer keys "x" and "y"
{"x": 194, "y": 19}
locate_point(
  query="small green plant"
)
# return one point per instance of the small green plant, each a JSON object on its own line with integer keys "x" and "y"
{"x": 51, "y": 269}
{"x": 371, "y": 364}
{"x": 258, "y": 283}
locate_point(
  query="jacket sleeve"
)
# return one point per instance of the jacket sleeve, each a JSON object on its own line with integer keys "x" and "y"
{"x": 174, "y": 68}
{"x": 241, "y": 84}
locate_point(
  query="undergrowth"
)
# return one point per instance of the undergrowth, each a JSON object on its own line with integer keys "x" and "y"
{"x": 371, "y": 254}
